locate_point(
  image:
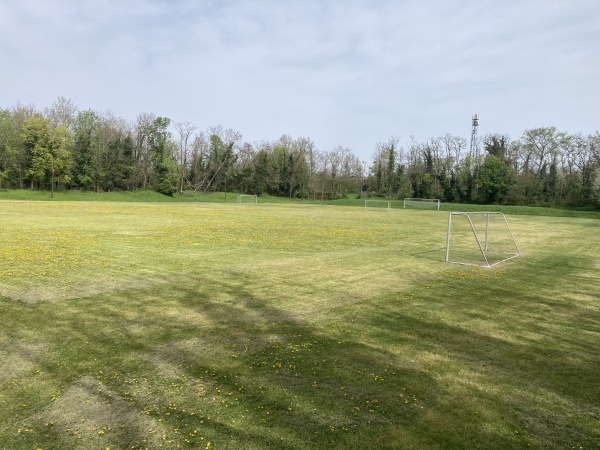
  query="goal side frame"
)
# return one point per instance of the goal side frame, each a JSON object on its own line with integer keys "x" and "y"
{"x": 239, "y": 199}
{"x": 483, "y": 248}
{"x": 389, "y": 204}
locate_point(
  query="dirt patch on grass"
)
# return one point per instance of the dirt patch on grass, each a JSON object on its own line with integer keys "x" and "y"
{"x": 92, "y": 416}
{"x": 44, "y": 293}
{"x": 18, "y": 357}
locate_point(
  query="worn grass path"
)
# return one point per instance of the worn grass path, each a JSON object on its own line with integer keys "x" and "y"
{"x": 138, "y": 325}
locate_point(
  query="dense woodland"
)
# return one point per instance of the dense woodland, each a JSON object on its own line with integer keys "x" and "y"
{"x": 62, "y": 147}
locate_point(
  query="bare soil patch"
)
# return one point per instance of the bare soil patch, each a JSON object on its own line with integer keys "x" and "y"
{"x": 92, "y": 416}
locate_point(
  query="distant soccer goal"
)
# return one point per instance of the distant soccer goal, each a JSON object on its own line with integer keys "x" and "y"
{"x": 422, "y": 203}
{"x": 379, "y": 205}
{"x": 479, "y": 239}
{"x": 247, "y": 199}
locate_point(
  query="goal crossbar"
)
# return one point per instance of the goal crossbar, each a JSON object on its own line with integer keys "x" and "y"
{"x": 507, "y": 250}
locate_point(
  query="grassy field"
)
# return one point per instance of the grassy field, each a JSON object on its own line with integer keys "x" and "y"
{"x": 130, "y": 325}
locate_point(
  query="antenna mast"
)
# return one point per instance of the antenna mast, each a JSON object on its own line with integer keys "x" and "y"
{"x": 474, "y": 149}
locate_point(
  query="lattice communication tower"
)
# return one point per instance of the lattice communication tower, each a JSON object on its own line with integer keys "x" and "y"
{"x": 474, "y": 149}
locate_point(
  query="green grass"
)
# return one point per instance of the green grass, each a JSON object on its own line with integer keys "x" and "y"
{"x": 291, "y": 326}
{"x": 122, "y": 196}
{"x": 231, "y": 197}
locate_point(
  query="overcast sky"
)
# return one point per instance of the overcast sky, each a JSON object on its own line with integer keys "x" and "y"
{"x": 340, "y": 72}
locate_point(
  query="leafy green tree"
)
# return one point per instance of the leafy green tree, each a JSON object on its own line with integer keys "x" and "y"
{"x": 596, "y": 188}
{"x": 87, "y": 150}
{"x": 121, "y": 171}
{"x": 289, "y": 165}
{"x": 392, "y": 182}
{"x": 379, "y": 176}
{"x": 50, "y": 159}
{"x": 494, "y": 178}
{"x": 166, "y": 176}
{"x": 300, "y": 166}
{"x": 245, "y": 170}
{"x": 446, "y": 187}
{"x": 165, "y": 168}
{"x": 9, "y": 149}
{"x": 217, "y": 166}
{"x": 87, "y": 171}
{"x": 261, "y": 173}
{"x": 496, "y": 145}
{"x": 385, "y": 167}
{"x": 279, "y": 169}
{"x": 423, "y": 178}
{"x": 404, "y": 189}
{"x": 582, "y": 157}
{"x": 219, "y": 162}
{"x": 541, "y": 145}
{"x": 103, "y": 152}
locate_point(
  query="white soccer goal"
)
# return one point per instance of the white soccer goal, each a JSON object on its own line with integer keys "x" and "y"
{"x": 479, "y": 239}
{"x": 247, "y": 199}
{"x": 422, "y": 203}
{"x": 378, "y": 205}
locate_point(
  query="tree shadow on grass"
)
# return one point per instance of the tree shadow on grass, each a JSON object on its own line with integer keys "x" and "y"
{"x": 292, "y": 380}
{"x": 335, "y": 381}
{"x": 237, "y": 370}
{"x": 253, "y": 375}
{"x": 540, "y": 382}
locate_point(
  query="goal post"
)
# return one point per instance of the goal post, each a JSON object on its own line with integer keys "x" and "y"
{"x": 378, "y": 204}
{"x": 481, "y": 239}
{"x": 247, "y": 199}
{"x": 422, "y": 203}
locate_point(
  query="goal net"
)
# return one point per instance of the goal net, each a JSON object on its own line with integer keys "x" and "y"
{"x": 247, "y": 199}
{"x": 422, "y": 203}
{"x": 380, "y": 205}
{"x": 479, "y": 239}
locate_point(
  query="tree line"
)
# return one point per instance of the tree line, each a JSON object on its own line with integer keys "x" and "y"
{"x": 63, "y": 147}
